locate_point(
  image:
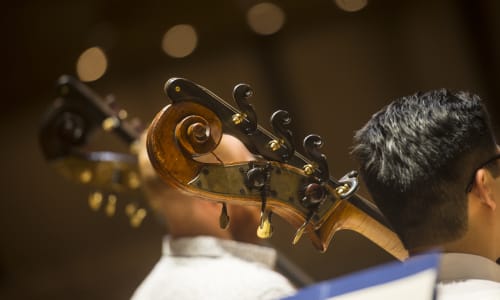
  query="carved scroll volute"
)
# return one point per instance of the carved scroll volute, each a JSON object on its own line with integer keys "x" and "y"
{"x": 177, "y": 135}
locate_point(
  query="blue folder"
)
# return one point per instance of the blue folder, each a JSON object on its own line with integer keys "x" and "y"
{"x": 413, "y": 279}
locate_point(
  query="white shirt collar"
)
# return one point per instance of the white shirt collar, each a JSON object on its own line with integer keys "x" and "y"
{"x": 207, "y": 246}
{"x": 461, "y": 266}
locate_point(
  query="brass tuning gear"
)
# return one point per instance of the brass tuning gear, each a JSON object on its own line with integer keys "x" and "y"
{"x": 136, "y": 215}
{"x": 111, "y": 205}
{"x": 95, "y": 200}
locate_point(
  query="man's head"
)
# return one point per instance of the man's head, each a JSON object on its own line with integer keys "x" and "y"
{"x": 188, "y": 215}
{"x": 418, "y": 155}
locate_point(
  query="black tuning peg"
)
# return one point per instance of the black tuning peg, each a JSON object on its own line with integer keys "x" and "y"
{"x": 247, "y": 119}
{"x": 312, "y": 144}
{"x": 280, "y": 120}
{"x": 258, "y": 178}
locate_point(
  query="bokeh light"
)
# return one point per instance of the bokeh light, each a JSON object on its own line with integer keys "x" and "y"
{"x": 265, "y": 18}
{"x": 92, "y": 64}
{"x": 180, "y": 40}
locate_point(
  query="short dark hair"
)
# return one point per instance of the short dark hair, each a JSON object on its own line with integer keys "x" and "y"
{"x": 416, "y": 158}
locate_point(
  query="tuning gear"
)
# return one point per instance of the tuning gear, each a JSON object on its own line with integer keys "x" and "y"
{"x": 95, "y": 200}
{"x": 111, "y": 205}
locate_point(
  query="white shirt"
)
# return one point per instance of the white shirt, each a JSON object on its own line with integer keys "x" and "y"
{"x": 467, "y": 276}
{"x": 209, "y": 268}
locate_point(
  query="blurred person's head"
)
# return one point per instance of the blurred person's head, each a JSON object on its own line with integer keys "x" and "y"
{"x": 189, "y": 215}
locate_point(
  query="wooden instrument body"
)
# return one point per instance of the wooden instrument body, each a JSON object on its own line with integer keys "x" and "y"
{"x": 279, "y": 176}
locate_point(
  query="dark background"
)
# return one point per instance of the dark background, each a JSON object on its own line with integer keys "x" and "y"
{"x": 331, "y": 69}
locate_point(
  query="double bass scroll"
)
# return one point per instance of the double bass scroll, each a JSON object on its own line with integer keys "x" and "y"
{"x": 279, "y": 179}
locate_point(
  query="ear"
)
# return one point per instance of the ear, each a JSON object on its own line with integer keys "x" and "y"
{"x": 484, "y": 188}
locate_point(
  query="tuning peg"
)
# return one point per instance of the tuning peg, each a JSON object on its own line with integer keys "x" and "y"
{"x": 133, "y": 180}
{"x": 95, "y": 200}
{"x": 135, "y": 147}
{"x": 312, "y": 143}
{"x": 138, "y": 217}
{"x": 122, "y": 114}
{"x": 224, "y": 217}
{"x": 280, "y": 120}
{"x": 265, "y": 229}
{"x": 299, "y": 233}
{"x": 314, "y": 194}
{"x": 85, "y": 176}
{"x": 241, "y": 93}
{"x": 110, "y": 123}
{"x": 130, "y": 209}
{"x": 111, "y": 205}
{"x": 110, "y": 100}
{"x": 348, "y": 184}
{"x": 72, "y": 128}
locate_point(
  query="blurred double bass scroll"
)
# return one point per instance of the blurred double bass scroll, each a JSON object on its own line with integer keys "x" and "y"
{"x": 279, "y": 179}
{"x": 65, "y": 135}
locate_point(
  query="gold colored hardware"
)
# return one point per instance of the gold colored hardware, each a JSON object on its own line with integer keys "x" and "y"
{"x": 122, "y": 114}
{"x": 265, "y": 229}
{"x": 224, "y": 217}
{"x": 111, "y": 205}
{"x": 110, "y": 123}
{"x": 342, "y": 189}
{"x": 274, "y": 145}
{"x": 238, "y": 118}
{"x": 86, "y": 176}
{"x": 135, "y": 147}
{"x": 95, "y": 200}
{"x": 133, "y": 180}
{"x": 299, "y": 232}
{"x": 138, "y": 217}
{"x": 177, "y": 88}
{"x": 308, "y": 169}
{"x": 130, "y": 209}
